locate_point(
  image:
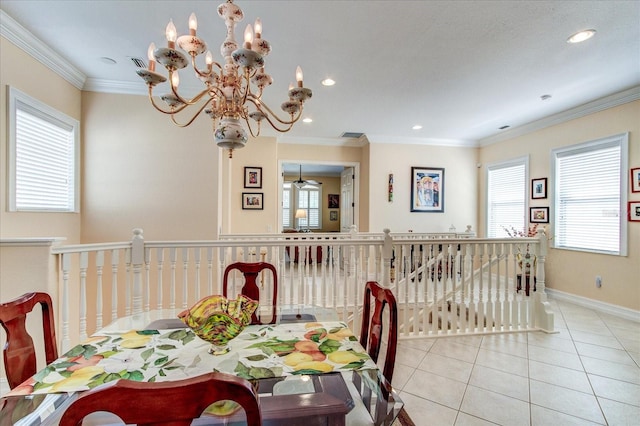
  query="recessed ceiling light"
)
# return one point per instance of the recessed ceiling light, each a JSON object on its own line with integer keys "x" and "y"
{"x": 108, "y": 61}
{"x": 307, "y": 120}
{"x": 417, "y": 127}
{"x": 328, "y": 82}
{"x": 581, "y": 36}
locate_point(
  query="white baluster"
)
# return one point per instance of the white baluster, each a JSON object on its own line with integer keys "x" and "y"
{"x": 84, "y": 263}
{"x": 99, "y": 266}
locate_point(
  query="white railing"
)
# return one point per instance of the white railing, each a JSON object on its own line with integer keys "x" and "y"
{"x": 445, "y": 284}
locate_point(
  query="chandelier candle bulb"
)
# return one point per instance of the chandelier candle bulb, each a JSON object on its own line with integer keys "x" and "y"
{"x": 193, "y": 24}
{"x": 299, "y": 76}
{"x": 258, "y": 28}
{"x": 152, "y": 59}
{"x": 172, "y": 35}
{"x": 248, "y": 37}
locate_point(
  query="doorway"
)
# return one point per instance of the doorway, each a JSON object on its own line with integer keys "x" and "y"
{"x": 335, "y": 181}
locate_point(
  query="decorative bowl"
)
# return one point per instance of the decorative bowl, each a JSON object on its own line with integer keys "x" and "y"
{"x": 218, "y": 320}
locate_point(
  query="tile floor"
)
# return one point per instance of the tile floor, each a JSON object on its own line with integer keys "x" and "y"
{"x": 586, "y": 374}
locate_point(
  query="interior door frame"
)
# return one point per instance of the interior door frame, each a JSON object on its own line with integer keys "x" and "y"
{"x": 356, "y": 185}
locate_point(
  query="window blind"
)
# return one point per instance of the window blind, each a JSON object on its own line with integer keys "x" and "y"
{"x": 43, "y": 147}
{"x": 588, "y": 194}
{"x": 506, "y": 198}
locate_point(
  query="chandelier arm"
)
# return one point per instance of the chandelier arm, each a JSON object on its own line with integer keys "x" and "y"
{"x": 259, "y": 104}
{"x": 253, "y": 135}
{"x": 173, "y": 116}
{"x": 207, "y": 74}
{"x": 171, "y": 111}
{"x": 191, "y": 101}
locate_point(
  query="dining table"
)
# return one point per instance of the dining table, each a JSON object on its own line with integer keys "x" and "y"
{"x": 307, "y": 368}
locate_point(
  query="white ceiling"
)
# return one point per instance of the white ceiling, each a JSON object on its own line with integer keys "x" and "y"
{"x": 461, "y": 69}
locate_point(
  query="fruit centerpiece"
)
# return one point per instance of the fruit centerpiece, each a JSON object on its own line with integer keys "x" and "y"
{"x": 218, "y": 320}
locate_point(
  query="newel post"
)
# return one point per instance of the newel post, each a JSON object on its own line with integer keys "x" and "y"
{"x": 137, "y": 262}
{"x": 387, "y": 254}
{"x": 544, "y": 313}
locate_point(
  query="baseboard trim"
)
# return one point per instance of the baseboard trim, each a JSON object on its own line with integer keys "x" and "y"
{"x": 607, "y": 308}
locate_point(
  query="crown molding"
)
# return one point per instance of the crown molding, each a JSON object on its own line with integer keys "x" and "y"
{"x": 348, "y": 142}
{"x": 114, "y": 86}
{"x": 375, "y": 139}
{"x": 18, "y": 35}
{"x": 614, "y": 100}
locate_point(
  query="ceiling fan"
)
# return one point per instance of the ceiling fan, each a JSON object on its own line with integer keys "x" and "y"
{"x": 302, "y": 182}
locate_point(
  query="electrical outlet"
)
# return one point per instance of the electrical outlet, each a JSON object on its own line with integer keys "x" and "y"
{"x": 598, "y": 281}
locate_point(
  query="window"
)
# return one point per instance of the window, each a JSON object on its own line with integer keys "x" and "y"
{"x": 307, "y": 198}
{"x": 286, "y": 205}
{"x": 507, "y": 193}
{"x": 590, "y": 196}
{"x": 43, "y": 151}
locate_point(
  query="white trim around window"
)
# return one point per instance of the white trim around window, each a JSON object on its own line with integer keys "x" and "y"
{"x": 44, "y": 157}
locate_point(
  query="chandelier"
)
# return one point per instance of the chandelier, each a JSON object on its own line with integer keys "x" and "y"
{"x": 233, "y": 89}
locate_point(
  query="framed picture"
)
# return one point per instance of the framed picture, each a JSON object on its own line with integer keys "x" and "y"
{"x": 334, "y": 201}
{"x": 427, "y": 189}
{"x": 539, "y": 214}
{"x": 252, "y": 201}
{"x": 634, "y": 211}
{"x": 539, "y": 188}
{"x": 333, "y": 216}
{"x": 253, "y": 177}
{"x": 635, "y": 179}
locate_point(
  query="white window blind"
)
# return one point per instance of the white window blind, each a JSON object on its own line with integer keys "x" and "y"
{"x": 506, "y": 198}
{"x": 43, "y": 151}
{"x": 309, "y": 197}
{"x": 590, "y": 188}
{"x": 286, "y": 205}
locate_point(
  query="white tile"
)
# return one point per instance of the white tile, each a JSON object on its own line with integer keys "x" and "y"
{"x": 421, "y": 344}
{"x": 568, "y": 401}
{"x": 401, "y": 375}
{"x": 420, "y": 410}
{"x": 630, "y": 345}
{"x": 436, "y": 388}
{"x": 409, "y": 356}
{"x": 503, "y": 362}
{"x": 449, "y": 347}
{"x": 554, "y": 357}
{"x": 618, "y": 413}
{"x": 560, "y": 376}
{"x": 505, "y": 344}
{"x": 601, "y": 352}
{"x": 495, "y": 407}
{"x": 612, "y": 370}
{"x": 615, "y": 390}
{"x": 465, "y": 419}
{"x": 500, "y": 382}
{"x": 541, "y": 416}
{"x": 552, "y": 341}
{"x": 446, "y": 366}
{"x": 596, "y": 339}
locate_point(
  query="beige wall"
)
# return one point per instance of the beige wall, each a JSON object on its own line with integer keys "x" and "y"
{"x": 21, "y": 71}
{"x": 460, "y": 187}
{"x": 571, "y": 271}
{"x": 142, "y": 171}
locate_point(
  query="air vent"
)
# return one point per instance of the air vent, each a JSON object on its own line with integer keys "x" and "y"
{"x": 139, "y": 62}
{"x": 353, "y": 135}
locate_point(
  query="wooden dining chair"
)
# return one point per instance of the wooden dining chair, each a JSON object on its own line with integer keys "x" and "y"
{"x": 372, "y": 330}
{"x": 165, "y": 403}
{"x": 250, "y": 287}
{"x": 19, "y": 351}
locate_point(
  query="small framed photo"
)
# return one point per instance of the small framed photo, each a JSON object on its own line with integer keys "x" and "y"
{"x": 634, "y": 211}
{"x": 635, "y": 179}
{"x": 427, "y": 189}
{"x": 253, "y": 177}
{"x": 333, "y": 215}
{"x": 539, "y": 188}
{"x": 252, "y": 201}
{"x": 539, "y": 214}
{"x": 334, "y": 201}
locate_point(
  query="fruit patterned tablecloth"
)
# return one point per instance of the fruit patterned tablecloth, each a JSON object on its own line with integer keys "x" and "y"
{"x": 260, "y": 351}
